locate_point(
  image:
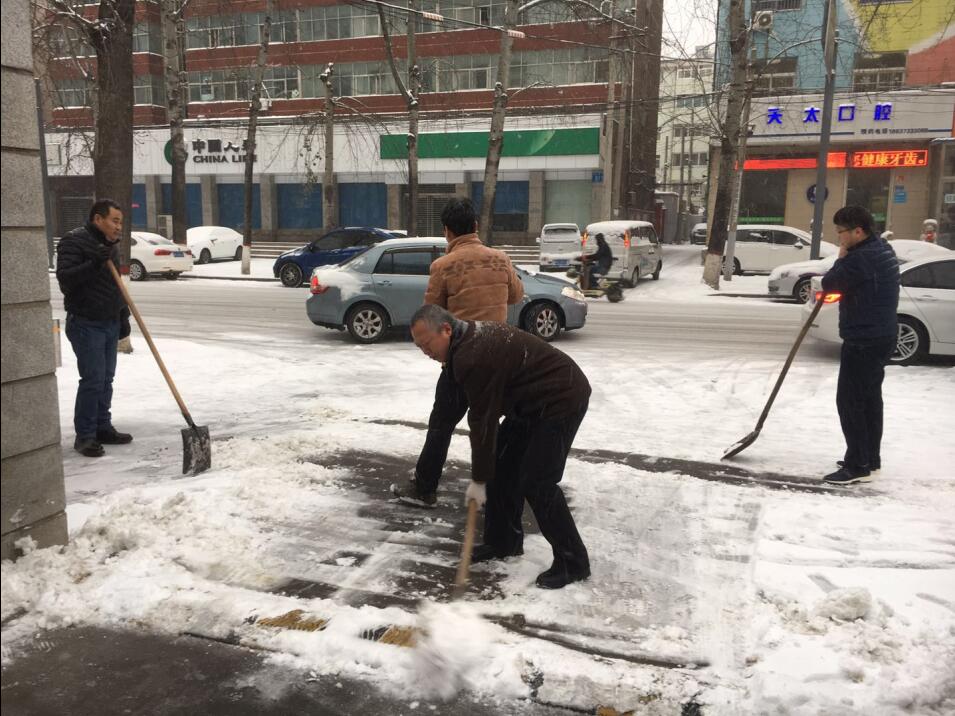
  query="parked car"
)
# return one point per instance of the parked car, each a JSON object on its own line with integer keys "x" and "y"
{"x": 635, "y": 246}
{"x": 559, "y": 246}
{"x": 382, "y": 287}
{"x": 796, "y": 279}
{"x": 926, "y": 310}
{"x": 295, "y": 267}
{"x": 210, "y": 243}
{"x": 698, "y": 234}
{"x": 151, "y": 254}
{"x": 762, "y": 247}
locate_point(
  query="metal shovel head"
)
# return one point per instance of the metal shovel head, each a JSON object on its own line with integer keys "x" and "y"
{"x": 196, "y": 450}
{"x": 738, "y": 447}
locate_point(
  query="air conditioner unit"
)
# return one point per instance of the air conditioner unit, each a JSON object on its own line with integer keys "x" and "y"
{"x": 164, "y": 225}
{"x": 763, "y": 21}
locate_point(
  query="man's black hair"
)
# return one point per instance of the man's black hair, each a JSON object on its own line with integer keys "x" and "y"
{"x": 599, "y": 237}
{"x": 432, "y": 316}
{"x": 101, "y": 207}
{"x": 459, "y": 217}
{"x": 854, "y": 217}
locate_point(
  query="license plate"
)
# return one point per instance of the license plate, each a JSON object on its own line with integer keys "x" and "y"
{"x": 561, "y": 262}
{"x": 178, "y": 254}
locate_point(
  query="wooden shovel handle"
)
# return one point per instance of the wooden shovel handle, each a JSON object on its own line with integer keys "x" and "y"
{"x": 464, "y": 566}
{"x": 149, "y": 341}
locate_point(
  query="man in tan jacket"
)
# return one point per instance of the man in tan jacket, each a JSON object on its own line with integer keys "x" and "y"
{"x": 475, "y": 283}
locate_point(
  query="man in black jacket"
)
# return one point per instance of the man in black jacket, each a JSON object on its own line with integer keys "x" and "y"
{"x": 96, "y": 318}
{"x": 542, "y": 395}
{"x": 867, "y": 276}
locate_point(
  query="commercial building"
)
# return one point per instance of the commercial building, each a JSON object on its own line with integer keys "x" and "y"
{"x": 892, "y": 119}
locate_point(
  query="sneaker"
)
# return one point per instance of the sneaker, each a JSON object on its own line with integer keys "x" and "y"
{"x": 559, "y": 576}
{"x": 410, "y": 495}
{"x": 874, "y": 467}
{"x": 848, "y": 476}
{"x": 111, "y": 436}
{"x": 88, "y": 447}
{"x": 487, "y": 552}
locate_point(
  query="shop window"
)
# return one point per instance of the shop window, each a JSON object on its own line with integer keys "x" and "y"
{"x": 870, "y": 188}
{"x": 775, "y": 76}
{"x": 763, "y": 200}
{"x": 879, "y": 72}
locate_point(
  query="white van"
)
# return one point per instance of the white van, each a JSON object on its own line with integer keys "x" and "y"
{"x": 560, "y": 245}
{"x": 636, "y": 249}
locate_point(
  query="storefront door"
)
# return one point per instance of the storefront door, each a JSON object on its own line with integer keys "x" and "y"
{"x": 870, "y": 188}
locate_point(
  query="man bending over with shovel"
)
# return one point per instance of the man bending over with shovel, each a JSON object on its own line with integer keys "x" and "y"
{"x": 542, "y": 395}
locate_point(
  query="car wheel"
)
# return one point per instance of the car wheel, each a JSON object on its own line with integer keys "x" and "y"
{"x": 737, "y": 268}
{"x": 634, "y": 279}
{"x": 802, "y": 290}
{"x": 290, "y": 275}
{"x": 205, "y": 256}
{"x": 238, "y": 253}
{"x": 614, "y": 293}
{"x": 137, "y": 272}
{"x": 543, "y": 320}
{"x": 656, "y": 274}
{"x": 172, "y": 276}
{"x": 367, "y": 323}
{"x": 912, "y": 343}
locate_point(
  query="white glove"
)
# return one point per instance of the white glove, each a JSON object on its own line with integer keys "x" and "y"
{"x": 477, "y": 491}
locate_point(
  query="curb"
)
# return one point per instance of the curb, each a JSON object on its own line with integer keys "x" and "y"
{"x": 231, "y": 278}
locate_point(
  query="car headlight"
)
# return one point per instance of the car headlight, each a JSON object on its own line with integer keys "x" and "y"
{"x": 782, "y": 274}
{"x": 571, "y": 292}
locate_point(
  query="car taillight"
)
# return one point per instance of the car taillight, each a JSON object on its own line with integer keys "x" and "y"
{"x": 162, "y": 252}
{"x": 188, "y": 252}
{"x": 316, "y": 287}
{"x": 830, "y": 297}
{"x": 626, "y": 239}
{"x": 583, "y": 240}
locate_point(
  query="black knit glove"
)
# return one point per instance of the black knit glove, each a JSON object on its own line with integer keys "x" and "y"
{"x": 103, "y": 252}
{"x": 124, "y": 327}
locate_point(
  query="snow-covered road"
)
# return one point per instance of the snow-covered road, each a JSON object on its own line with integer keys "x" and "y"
{"x": 774, "y": 601}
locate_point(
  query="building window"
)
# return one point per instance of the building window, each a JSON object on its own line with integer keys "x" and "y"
{"x": 885, "y": 71}
{"x": 333, "y": 22}
{"x": 557, "y": 67}
{"x": 689, "y": 159}
{"x": 149, "y": 89}
{"x": 284, "y": 27}
{"x": 223, "y": 30}
{"x": 350, "y": 79}
{"x": 467, "y": 72}
{"x": 775, "y": 76}
{"x": 280, "y": 82}
{"x": 759, "y": 5}
{"x": 548, "y": 12}
{"x": 219, "y": 85}
{"x": 74, "y": 93}
{"x": 147, "y": 37}
{"x": 688, "y": 101}
{"x": 690, "y": 130}
{"x": 694, "y": 72}
{"x": 67, "y": 42}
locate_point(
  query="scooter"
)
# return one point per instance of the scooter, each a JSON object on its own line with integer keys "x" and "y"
{"x": 608, "y": 287}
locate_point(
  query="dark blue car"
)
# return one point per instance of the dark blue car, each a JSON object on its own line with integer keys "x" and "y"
{"x": 295, "y": 267}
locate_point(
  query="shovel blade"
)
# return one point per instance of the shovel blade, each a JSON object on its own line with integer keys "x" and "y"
{"x": 196, "y": 450}
{"x": 738, "y": 447}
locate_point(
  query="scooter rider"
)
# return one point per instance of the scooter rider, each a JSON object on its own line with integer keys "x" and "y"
{"x": 601, "y": 259}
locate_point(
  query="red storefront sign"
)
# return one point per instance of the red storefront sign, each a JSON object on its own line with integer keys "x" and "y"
{"x": 886, "y": 159}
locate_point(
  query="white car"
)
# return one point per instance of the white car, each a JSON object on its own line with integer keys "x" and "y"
{"x": 795, "y": 279}
{"x": 209, "y": 243}
{"x": 559, "y": 246}
{"x": 155, "y": 254}
{"x": 926, "y": 311}
{"x": 762, "y": 247}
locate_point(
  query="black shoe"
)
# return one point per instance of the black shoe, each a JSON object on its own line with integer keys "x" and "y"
{"x": 559, "y": 576}
{"x": 487, "y": 552}
{"x": 410, "y": 495}
{"x": 874, "y": 467}
{"x": 111, "y": 436}
{"x": 848, "y": 476}
{"x": 88, "y": 447}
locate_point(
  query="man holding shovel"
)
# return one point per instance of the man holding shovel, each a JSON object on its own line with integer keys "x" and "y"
{"x": 96, "y": 318}
{"x": 543, "y": 396}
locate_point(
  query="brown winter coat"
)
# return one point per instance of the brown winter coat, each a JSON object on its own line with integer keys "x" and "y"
{"x": 473, "y": 281}
{"x": 507, "y": 372}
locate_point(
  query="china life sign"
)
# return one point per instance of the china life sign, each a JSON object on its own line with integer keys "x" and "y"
{"x": 212, "y": 150}
{"x": 892, "y": 116}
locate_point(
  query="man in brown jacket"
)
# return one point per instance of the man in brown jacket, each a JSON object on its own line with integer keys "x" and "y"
{"x": 543, "y": 396}
{"x": 475, "y": 283}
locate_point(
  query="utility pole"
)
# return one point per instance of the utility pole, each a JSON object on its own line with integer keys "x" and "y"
{"x": 255, "y": 106}
{"x": 730, "y": 254}
{"x": 620, "y": 112}
{"x": 329, "y": 190}
{"x": 680, "y": 207}
{"x": 606, "y": 203}
{"x": 819, "y": 199}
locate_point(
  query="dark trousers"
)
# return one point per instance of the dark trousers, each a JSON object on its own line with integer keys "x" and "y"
{"x": 859, "y": 399}
{"x": 450, "y": 405}
{"x": 94, "y": 343}
{"x": 530, "y": 463}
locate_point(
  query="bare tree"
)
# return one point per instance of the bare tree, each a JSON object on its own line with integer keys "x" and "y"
{"x": 255, "y": 106}
{"x": 329, "y": 189}
{"x": 409, "y": 92}
{"x": 495, "y": 144}
{"x": 177, "y": 99}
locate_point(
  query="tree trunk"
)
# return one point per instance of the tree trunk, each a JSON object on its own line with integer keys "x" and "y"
{"x": 329, "y": 189}
{"x": 255, "y": 106}
{"x": 729, "y": 145}
{"x": 176, "y": 100}
{"x": 113, "y": 151}
{"x": 495, "y": 143}
{"x": 639, "y": 183}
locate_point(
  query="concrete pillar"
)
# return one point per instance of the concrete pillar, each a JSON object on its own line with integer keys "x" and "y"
{"x": 394, "y": 206}
{"x": 32, "y": 498}
{"x": 210, "y": 200}
{"x": 268, "y": 202}
{"x": 535, "y": 205}
{"x": 153, "y": 202}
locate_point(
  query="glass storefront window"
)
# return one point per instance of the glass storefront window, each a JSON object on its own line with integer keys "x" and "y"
{"x": 870, "y": 188}
{"x": 763, "y": 200}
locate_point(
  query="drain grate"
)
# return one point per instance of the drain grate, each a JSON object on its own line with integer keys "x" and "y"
{"x": 294, "y": 620}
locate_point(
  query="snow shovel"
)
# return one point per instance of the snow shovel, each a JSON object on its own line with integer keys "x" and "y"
{"x": 196, "y": 444}
{"x": 738, "y": 447}
{"x": 464, "y": 566}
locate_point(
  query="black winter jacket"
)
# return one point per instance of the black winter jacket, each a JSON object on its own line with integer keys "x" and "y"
{"x": 89, "y": 289}
{"x": 868, "y": 278}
